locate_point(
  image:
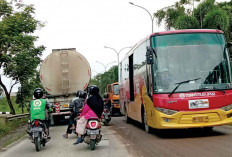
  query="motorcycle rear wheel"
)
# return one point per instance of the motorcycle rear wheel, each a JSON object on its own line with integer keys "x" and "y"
{"x": 105, "y": 123}
{"x": 92, "y": 144}
{"x": 37, "y": 144}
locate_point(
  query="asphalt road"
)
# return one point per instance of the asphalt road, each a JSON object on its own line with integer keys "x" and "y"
{"x": 130, "y": 140}
{"x": 112, "y": 145}
{"x": 176, "y": 143}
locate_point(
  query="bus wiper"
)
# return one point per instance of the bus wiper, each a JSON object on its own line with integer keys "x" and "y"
{"x": 219, "y": 90}
{"x": 207, "y": 89}
{"x": 200, "y": 89}
{"x": 180, "y": 83}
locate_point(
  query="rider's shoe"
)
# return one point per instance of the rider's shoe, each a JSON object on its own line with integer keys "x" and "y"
{"x": 79, "y": 140}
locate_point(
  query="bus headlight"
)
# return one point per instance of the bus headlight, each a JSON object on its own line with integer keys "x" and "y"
{"x": 227, "y": 108}
{"x": 166, "y": 111}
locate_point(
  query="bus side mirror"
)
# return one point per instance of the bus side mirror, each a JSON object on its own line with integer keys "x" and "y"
{"x": 149, "y": 55}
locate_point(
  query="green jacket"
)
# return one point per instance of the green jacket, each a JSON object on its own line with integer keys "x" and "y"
{"x": 37, "y": 109}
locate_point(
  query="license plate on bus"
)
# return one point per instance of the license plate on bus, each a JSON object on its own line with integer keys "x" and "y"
{"x": 65, "y": 105}
{"x": 200, "y": 119}
{"x": 200, "y": 103}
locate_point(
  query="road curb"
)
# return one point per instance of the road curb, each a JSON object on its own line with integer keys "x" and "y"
{"x": 12, "y": 144}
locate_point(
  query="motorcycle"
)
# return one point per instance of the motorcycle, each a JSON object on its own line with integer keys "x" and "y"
{"x": 38, "y": 135}
{"x": 106, "y": 116}
{"x": 93, "y": 132}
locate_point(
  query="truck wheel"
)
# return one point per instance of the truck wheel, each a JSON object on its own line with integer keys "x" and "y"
{"x": 92, "y": 144}
{"x": 56, "y": 120}
{"x": 52, "y": 120}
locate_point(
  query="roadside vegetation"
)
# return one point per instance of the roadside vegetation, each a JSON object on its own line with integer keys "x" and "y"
{"x": 4, "y": 107}
{"x": 108, "y": 77}
{"x": 11, "y": 132}
{"x": 11, "y": 126}
{"x": 19, "y": 57}
{"x": 197, "y": 14}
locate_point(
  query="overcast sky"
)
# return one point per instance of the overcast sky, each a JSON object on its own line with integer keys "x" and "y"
{"x": 89, "y": 25}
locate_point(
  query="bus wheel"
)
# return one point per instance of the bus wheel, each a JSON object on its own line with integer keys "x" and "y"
{"x": 146, "y": 127}
{"x": 128, "y": 120}
{"x": 208, "y": 129}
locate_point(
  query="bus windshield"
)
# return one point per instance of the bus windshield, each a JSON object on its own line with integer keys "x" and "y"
{"x": 201, "y": 57}
{"x": 116, "y": 89}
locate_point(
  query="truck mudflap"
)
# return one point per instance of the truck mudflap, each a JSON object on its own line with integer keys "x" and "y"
{"x": 61, "y": 113}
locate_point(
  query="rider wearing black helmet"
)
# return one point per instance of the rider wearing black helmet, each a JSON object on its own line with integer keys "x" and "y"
{"x": 39, "y": 108}
{"x": 75, "y": 108}
{"x": 94, "y": 107}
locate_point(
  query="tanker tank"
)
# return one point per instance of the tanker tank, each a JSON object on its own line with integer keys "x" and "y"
{"x": 62, "y": 73}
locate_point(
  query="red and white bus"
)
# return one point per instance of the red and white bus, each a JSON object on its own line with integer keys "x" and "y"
{"x": 178, "y": 79}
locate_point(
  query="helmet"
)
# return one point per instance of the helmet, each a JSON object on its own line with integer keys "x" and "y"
{"x": 38, "y": 93}
{"x": 81, "y": 94}
{"x": 93, "y": 89}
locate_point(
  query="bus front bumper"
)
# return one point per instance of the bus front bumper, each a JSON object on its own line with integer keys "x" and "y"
{"x": 190, "y": 119}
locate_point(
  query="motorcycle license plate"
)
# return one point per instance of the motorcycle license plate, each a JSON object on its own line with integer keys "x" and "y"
{"x": 93, "y": 136}
{"x": 36, "y": 129}
{"x": 92, "y": 132}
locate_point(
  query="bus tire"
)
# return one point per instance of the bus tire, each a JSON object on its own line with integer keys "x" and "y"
{"x": 208, "y": 129}
{"x": 127, "y": 118}
{"x": 146, "y": 127}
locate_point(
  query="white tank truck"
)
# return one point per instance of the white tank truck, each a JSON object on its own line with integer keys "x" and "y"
{"x": 62, "y": 73}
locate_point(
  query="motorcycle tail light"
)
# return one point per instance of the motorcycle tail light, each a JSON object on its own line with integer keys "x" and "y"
{"x": 106, "y": 111}
{"x": 93, "y": 124}
{"x": 36, "y": 123}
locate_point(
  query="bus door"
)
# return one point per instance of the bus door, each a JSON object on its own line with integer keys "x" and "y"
{"x": 131, "y": 107}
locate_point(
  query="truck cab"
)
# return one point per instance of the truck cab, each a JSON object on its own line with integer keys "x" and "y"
{"x": 113, "y": 92}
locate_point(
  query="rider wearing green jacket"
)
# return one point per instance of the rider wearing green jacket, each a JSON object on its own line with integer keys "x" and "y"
{"x": 39, "y": 109}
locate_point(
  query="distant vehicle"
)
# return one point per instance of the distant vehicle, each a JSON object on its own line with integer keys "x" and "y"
{"x": 178, "y": 79}
{"x": 106, "y": 116}
{"x": 62, "y": 73}
{"x": 113, "y": 91}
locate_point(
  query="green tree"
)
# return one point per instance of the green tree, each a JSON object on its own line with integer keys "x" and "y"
{"x": 207, "y": 15}
{"x": 25, "y": 92}
{"x": 101, "y": 80}
{"x": 19, "y": 57}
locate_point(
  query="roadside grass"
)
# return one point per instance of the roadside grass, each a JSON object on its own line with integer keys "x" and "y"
{"x": 14, "y": 139}
{"x": 11, "y": 126}
{"x": 4, "y": 107}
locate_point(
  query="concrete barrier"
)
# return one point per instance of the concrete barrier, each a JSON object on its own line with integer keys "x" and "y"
{"x": 4, "y": 118}
{"x": 4, "y": 112}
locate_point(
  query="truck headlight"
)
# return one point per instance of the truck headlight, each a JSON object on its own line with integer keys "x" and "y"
{"x": 166, "y": 111}
{"x": 227, "y": 108}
